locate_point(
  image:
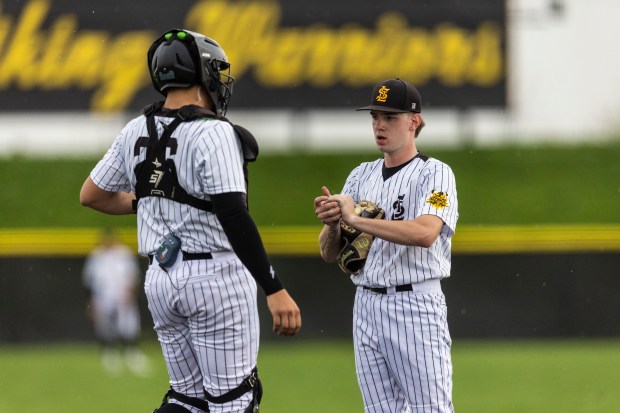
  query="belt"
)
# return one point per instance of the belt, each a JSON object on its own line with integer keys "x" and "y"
{"x": 189, "y": 256}
{"x": 429, "y": 286}
{"x": 384, "y": 290}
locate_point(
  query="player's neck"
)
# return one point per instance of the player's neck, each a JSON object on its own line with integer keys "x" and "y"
{"x": 177, "y": 98}
{"x": 397, "y": 158}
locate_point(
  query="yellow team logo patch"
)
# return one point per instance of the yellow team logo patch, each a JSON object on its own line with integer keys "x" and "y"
{"x": 438, "y": 199}
{"x": 382, "y": 94}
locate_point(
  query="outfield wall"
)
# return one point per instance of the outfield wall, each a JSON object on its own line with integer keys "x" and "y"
{"x": 528, "y": 295}
{"x": 538, "y": 281}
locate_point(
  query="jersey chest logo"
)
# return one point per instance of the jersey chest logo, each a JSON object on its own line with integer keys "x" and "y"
{"x": 398, "y": 213}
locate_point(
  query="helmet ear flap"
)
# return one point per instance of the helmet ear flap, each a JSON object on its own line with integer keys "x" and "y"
{"x": 212, "y": 71}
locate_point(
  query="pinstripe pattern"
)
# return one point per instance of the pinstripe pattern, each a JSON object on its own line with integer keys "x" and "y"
{"x": 402, "y": 342}
{"x": 208, "y": 160}
{"x": 389, "y": 264}
{"x": 207, "y": 322}
{"x": 402, "y": 352}
{"x": 204, "y": 311}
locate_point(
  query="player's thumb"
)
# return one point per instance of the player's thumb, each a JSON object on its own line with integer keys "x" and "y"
{"x": 326, "y": 191}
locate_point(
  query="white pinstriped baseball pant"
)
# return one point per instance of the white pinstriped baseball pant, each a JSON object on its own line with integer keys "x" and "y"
{"x": 402, "y": 351}
{"x": 207, "y": 323}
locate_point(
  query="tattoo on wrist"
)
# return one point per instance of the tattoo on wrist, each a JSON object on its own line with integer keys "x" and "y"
{"x": 329, "y": 239}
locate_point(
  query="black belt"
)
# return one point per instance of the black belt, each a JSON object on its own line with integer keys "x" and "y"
{"x": 189, "y": 256}
{"x": 384, "y": 290}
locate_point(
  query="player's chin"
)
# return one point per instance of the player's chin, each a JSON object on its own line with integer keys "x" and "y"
{"x": 381, "y": 143}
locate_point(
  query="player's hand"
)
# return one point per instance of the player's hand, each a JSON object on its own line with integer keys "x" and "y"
{"x": 346, "y": 206}
{"x": 285, "y": 313}
{"x": 328, "y": 212}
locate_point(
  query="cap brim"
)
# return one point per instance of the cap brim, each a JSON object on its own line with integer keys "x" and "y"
{"x": 380, "y": 108}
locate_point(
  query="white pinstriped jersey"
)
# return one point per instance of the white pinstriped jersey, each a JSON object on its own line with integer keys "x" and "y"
{"x": 212, "y": 163}
{"x": 424, "y": 186}
{"x": 204, "y": 311}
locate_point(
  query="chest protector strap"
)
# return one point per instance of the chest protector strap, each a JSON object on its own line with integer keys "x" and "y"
{"x": 157, "y": 175}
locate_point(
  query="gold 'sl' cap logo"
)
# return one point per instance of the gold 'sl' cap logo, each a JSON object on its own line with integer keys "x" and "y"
{"x": 382, "y": 94}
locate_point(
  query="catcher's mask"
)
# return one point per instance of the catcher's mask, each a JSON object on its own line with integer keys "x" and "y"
{"x": 180, "y": 58}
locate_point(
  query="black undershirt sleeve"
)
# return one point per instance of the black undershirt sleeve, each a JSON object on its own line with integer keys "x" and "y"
{"x": 230, "y": 209}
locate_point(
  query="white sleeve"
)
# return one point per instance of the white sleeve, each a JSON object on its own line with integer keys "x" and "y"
{"x": 109, "y": 173}
{"x": 222, "y": 161}
{"x": 351, "y": 185}
{"x": 439, "y": 190}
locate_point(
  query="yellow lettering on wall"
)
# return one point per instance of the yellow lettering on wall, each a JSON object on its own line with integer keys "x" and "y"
{"x": 126, "y": 73}
{"x": 421, "y": 56}
{"x": 455, "y": 51}
{"x": 62, "y": 56}
{"x": 243, "y": 29}
{"x": 65, "y": 57}
{"x": 18, "y": 63}
{"x": 51, "y": 71}
{"x": 322, "y": 72}
{"x": 487, "y": 66}
{"x": 351, "y": 55}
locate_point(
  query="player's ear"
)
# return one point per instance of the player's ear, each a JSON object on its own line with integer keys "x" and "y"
{"x": 419, "y": 125}
{"x": 414, "y": 121}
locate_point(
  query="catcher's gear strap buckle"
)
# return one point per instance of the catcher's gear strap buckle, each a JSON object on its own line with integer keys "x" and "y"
{"x": 192, "y": 401}
{"x": 252, "y": 382}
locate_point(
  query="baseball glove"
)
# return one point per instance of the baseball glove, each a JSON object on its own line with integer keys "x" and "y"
{"x": 355, "y": 243}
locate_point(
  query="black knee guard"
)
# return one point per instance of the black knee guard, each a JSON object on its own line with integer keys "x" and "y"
{"x": 171, "y": 408}
{"x": 252, "y": 382}
{"x": 167, "y": 407}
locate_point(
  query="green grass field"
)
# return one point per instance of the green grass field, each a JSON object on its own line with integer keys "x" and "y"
{"x": 576, "y": 376}
{"x": 540, "y": 185}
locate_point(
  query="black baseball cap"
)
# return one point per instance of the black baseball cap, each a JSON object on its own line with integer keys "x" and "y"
{"x": 395, "y": 95}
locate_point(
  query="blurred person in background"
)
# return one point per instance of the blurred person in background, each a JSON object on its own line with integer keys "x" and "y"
{"x": 111, "y": 278}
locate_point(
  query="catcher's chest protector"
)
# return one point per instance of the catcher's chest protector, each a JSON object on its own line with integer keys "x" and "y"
{"x": 157, "y": 176}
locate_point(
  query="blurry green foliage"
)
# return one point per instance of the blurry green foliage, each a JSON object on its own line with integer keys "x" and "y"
{"x": 539, "y": 185}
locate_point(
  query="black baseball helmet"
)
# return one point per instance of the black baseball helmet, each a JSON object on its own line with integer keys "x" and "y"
{"x": 181, "y": 58}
